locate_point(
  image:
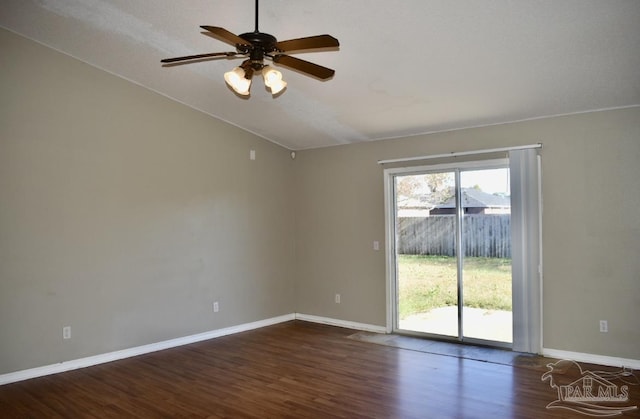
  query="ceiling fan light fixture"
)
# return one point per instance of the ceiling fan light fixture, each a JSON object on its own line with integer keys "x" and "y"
{"x": 255, "y": 47}
{"x": 273, "y": 80}
{"x": 237, "y": 81}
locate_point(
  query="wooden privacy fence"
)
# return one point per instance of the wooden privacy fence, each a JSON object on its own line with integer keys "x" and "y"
{"x": 483, "y": 235}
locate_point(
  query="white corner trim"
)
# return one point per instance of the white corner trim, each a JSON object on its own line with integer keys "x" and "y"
{"x": 341, "y": 323}
{"x": 592, "y": 359}
{"x": 138, "y": 350}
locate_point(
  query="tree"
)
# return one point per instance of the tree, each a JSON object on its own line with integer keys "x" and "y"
{"x": 435, "y": 188}
{"x": 408, "y": 185}
{"x": 441, "y": 187}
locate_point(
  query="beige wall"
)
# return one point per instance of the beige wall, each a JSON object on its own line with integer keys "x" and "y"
{"x": 125, "y": 215}
{"x": 591, "y": 225}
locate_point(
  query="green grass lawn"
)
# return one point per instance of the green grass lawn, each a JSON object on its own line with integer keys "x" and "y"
{"x": 427, "y": 282}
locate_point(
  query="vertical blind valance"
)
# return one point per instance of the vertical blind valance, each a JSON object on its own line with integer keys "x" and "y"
{"x": 462, "y": 153}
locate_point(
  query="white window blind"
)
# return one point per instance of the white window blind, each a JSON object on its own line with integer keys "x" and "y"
{"x": 526, "y": 251}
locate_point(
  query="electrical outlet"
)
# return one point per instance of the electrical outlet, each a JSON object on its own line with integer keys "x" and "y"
{"x": 66, "y": 332}
{"x": 604, "y": 326}
{"x": 337, "y": 298}
{"x": 376, "y": 245}
{"x": 216, "y": 307}
{"x": 252, "y": 154}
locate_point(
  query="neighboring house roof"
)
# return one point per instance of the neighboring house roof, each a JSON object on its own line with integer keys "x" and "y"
{"x": 409, "y": 202}
{"x": 474, "y": 198}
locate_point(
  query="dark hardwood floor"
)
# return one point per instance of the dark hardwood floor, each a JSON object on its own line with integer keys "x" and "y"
{"x": 291, "y": 370}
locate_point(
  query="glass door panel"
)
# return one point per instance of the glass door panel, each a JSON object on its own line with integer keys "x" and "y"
{"x": 486, "y": 238}
{"x": 427, "y": 278}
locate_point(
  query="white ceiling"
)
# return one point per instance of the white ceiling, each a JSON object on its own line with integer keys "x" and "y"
{"x": 403, "y": 67}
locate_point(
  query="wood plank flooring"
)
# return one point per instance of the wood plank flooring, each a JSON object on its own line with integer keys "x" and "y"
{"x": 291, "y": 370}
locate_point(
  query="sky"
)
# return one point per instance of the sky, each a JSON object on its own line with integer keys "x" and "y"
{"x": 493, "y": 181}
{"x": 490, "y": 181}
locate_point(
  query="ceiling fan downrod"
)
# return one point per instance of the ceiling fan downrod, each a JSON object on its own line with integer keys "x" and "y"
{"x": 256, "y": 31}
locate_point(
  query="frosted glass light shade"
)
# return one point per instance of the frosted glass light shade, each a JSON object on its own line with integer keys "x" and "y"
{"x": 236, "y": 80}
{"x": 273, "y": 80}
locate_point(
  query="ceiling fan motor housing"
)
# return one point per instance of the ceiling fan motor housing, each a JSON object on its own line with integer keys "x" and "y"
{"x": 260, "y": 44}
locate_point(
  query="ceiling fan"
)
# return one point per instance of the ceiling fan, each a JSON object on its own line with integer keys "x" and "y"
{"x": 256, "y": 46}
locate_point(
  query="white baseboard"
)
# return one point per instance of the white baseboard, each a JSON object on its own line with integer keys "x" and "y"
{"x": 172, "y": 343}
{"x": 139, "y": 350}
{"x": 592, "y": 359}
{"x": 341, "y": 323}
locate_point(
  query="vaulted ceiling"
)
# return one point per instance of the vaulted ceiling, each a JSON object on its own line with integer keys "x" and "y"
{"x": 403, "y": 67}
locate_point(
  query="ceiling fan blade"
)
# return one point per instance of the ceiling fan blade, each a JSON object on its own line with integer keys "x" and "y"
{"x": 225, "y": 35}
{"x": 194, "y": 57}
{"x": 312, "y": 69}
{"x": 310, "y": 42}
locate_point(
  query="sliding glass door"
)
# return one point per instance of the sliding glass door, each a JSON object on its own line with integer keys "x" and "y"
{"x": 452, "y": 257}
{"x": 486, "y": 251}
